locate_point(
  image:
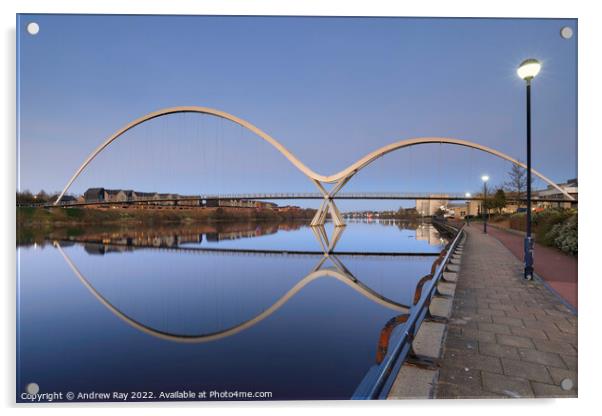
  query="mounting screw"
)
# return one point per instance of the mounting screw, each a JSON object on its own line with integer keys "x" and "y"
{"x": 33, "y": 28}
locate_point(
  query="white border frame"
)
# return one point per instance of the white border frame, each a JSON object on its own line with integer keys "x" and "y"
{"x": 590, "y": 33}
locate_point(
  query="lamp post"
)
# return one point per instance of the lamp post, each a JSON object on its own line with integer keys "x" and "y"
{"x": 466, "y": 217}
{"x": 485, "y": 212}
{"x": 528, "y": 70}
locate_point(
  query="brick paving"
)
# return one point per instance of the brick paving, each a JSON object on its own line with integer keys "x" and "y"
{"x": 558, "y": 269}
{"x": 506, "y": 337}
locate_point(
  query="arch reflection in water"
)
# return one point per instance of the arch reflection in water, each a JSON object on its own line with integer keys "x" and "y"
{"x": 338, "y": 271}
{"x": 323, "y": 338}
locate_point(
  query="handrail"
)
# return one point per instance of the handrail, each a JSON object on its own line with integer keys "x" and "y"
{"x": 379, "y": 379}
{"x": 450, "y": 196}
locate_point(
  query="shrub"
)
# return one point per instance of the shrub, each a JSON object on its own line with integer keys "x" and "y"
{"x": 554, "y": 227}
{"x": 544, "y": 222}
{"x": 518, "y": 221}
{"x": 566, "y": 235}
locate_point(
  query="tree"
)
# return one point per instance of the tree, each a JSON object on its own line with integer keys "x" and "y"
{"x": 517, "y": 184}
{"x": 42, "y": 196}
{"x": 25, "y": 197}
{"x": 499, "y": 200}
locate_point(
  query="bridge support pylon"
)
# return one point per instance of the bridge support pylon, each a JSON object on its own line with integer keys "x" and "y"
{"x": 328, "y": 204}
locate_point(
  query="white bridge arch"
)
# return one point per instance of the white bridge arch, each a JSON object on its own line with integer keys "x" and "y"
{"x": 338, "y": 179}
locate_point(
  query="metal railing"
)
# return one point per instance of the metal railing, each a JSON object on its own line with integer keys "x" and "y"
{"x": 450, "y": 196}
{"x": 379, "y": 379}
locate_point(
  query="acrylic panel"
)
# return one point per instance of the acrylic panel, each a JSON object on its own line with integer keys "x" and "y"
{"x": 257, "y": 208}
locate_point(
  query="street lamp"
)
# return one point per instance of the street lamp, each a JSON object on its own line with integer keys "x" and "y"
{"x": 466, "y": 216}
{"x": 485, "y": 178}
{"x": 528, "y": 70}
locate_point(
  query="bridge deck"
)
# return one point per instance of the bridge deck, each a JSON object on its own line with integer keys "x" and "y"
{"x": 198, "y": 199}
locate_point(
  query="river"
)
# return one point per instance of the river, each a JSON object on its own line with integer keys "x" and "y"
{"x": 241, "y": 308}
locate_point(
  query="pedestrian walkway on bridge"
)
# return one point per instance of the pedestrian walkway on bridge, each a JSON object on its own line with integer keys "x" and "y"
{"x": 506, "y": 337}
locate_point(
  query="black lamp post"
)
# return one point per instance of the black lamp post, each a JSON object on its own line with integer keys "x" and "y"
{"x": 527, "y": 70}
{"x": 467, "y": 216}
{"x": 485, "y": 211}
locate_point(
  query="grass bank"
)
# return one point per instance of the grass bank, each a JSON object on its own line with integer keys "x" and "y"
{"x": 95, "y": 216}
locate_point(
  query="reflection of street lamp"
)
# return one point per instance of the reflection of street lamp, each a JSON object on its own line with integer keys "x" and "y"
{"x": 485, "y": 178}
{"x": 466, "y": 217}
{"x": 528, "y": 70}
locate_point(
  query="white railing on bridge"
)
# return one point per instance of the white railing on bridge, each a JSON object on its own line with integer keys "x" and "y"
{"x": 298, "y": 195}
{"x": 292, "y": 195}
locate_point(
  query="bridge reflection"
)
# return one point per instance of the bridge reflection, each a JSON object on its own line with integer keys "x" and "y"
{"x": 328, "y": 265}
{"x": 337, "y": 271}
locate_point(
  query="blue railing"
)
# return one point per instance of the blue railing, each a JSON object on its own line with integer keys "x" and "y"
{"x": 380, "y": 378}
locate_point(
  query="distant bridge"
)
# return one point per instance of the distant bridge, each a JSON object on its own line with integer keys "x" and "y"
{"x": 201, "y": 200}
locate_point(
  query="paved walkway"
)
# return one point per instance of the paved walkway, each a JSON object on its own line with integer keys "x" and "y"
{"x": 506, "y": 337}
{"x": 559, "y": 270}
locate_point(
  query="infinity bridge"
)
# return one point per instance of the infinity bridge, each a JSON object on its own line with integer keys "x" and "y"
{"x": 338, "y": 180}
{"x": 198, "y": 200}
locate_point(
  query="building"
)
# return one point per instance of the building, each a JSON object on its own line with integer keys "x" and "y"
{"x": 95, "y": 195}
{"x": 115, "y": 195}
{"x": 570, "y": 186}
{"x": 458, "y": 210}
{"x": 144, "y": 196}
{"x": 129, "y": 194}
{"x": 429, "y": 207}
{"x": 163, "y": 199}
{"x": 168, "y": 199}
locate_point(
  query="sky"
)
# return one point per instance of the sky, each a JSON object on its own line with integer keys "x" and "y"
{"x": 329, "y": 89}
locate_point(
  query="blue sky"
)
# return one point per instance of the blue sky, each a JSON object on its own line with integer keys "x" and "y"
{"x": 329, "y": 89}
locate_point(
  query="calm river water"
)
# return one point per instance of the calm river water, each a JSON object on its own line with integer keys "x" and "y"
{"x": 147, "y": 312}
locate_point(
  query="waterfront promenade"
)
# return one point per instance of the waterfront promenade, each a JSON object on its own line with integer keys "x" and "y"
{"x": 558, "y": 269}
{"x": 506, "y": 337}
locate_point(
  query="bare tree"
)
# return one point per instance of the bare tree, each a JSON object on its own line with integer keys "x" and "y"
{"x": 517, "y": 185}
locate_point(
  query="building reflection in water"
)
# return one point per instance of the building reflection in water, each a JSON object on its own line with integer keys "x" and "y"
{"x": 428, "y": 233}
{"x": 123, "y": 240}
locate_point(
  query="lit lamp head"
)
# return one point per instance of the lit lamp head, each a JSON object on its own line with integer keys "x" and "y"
{"x": 484, "y": 178}
{"x": 467, "y": 194}
{"x": 529, "y": 69}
